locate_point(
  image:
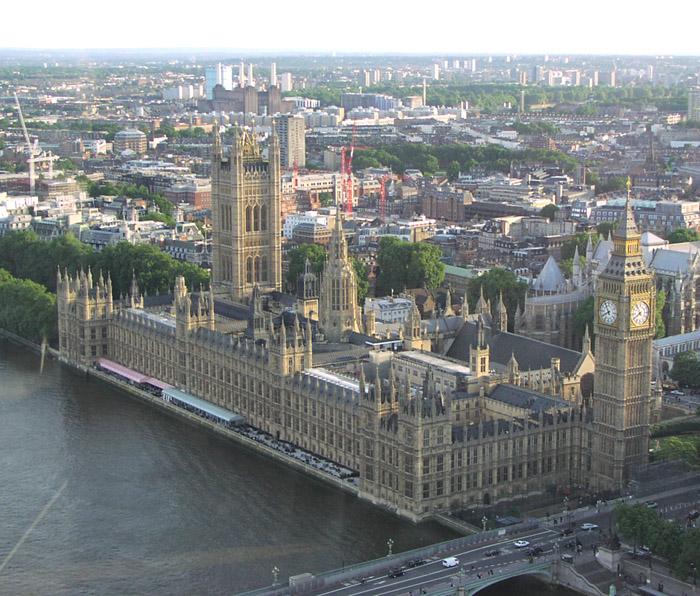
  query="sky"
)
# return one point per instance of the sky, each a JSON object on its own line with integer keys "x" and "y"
{"x": 448, "y": 27}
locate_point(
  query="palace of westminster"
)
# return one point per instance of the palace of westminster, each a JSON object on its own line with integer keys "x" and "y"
{"x": 446, "y": 413}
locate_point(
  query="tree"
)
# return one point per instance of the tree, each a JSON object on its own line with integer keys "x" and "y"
{"x": 660, "y": 326}
{"x": 453, "y": 171}
{"x": 408, "y": 265}
{"x": 606, "y": 227}
{"x": 549, "y": 211}
{"x": 361, "y": 278}
{"x": 297, "y": 259}
{"x": 583, "y": 318}
{"x": 637, "y": 523}
{"x": 325, "y": 198}
{"x": 494, "y": 283}
{"x": 683, "y": 235}
{"x": 686, "y": 369}
{"x": 614, "y": 184}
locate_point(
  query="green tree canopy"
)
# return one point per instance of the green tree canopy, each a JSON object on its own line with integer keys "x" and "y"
{"x": 297, "y": 259}
{"x": 683, "y": 235}
{"x": 361, "y": 274}
{"x": 27, "y": 309}
{"x": 686, "y": 369}
{"x": 408, "y": 265}
{"x": 494, "y": 282}
{"x": 606, "y": 227}
{"x": 549, "y": 211}
{"x": 660, "y": 326}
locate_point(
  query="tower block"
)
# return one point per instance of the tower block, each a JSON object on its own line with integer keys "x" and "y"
{"x": 246, "y": 234}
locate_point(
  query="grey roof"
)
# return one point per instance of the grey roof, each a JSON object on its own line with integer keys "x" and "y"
{"x": 522, "y": 397}
{"x": 550, "y": 278}
{"x": 530, "y": 353}
{"x": 670, "y": 261}
{"x": 651, "y": 239}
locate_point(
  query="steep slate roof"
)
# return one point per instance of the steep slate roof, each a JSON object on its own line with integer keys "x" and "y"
{"x": 522, "y": 397}
{"x": 530, "y": 353}
{"x": 550, "y": 278}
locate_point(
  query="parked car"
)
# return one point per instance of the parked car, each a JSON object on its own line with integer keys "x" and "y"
{"x": 450, "y": 562}
{"x": 587, "y": 527}
{"x": 492, "y": 553}
{"x": 396, "y": 572}
{"x": 521, "y": 543}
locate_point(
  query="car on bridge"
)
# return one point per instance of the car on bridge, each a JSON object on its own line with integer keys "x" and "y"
{"x": 450, "y": 562}
{"x": 587, "y": 527}
{"x": 534, "y": 552}
{"x": 492, "y": 553}
{"x": 566, "y": 532}
{"x": 416, "y": 563}
{"x": 396, "y": 572}
{"x": 521, "y": 543}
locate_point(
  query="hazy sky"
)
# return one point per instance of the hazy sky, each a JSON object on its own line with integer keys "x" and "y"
{"x": 464, "y": 27}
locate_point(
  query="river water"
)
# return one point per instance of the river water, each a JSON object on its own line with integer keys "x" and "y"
{"x": 101, "y": 494}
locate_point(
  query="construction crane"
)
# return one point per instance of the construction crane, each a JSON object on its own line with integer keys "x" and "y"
{"x": 34, "y": 155}
{"x": 382, "y": 200}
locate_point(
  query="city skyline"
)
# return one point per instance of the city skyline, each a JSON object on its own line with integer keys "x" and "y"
{"x": 602, "y": 29}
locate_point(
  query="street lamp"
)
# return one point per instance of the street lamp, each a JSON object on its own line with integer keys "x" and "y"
{"x": 389, "y": 544}
{"x": 695, "y": 574}
{"x": 275, "y": 573}
{"x": 483, "y": 522}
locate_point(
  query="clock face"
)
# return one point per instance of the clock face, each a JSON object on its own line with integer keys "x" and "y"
{"x": 608, "y": 312}
{"x": 640, "y": 313}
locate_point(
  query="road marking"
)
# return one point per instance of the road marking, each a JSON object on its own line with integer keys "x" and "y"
{"x": 43, "y": 512}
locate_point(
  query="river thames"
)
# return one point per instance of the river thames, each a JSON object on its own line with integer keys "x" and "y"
{"x": 101, "y": 494}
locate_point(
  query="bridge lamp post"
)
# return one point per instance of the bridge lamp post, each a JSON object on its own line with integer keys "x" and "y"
{"x": 390, "y": 544}
{"x": 484, "y": 520}
{"x": 275, "y": 573}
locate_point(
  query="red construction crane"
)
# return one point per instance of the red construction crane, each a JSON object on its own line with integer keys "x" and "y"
{"x": 295, "y": 177}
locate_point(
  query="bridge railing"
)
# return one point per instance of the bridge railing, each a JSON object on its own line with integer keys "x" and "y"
{"x": 360, "y": 570}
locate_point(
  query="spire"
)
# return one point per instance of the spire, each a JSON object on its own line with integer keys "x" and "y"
{"x": 586, "y": 342}
{"x": 448, "y": 304}
{"x": 628, "y": 226}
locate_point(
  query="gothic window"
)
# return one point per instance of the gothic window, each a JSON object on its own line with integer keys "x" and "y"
{"x": 256, "y": 219}
{"x": 264, "y": 273}
{"x": 263, "y": 218}
{"x": 249, "y": 270}
{"x": 248, "y": 218}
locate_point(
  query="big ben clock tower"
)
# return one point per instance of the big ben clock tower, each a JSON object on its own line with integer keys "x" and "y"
{"x": 624, "y": 330}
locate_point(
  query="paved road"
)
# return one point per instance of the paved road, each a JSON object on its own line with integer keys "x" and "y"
{"x": 687, "y": 399}
{"x": 433, "y": 577}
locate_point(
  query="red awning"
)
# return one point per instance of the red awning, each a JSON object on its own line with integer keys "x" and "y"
{"x": 122, "y": 371}
{"x": 158, "y": 383}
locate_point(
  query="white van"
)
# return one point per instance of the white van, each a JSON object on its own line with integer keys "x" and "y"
{"x": 450, "y": 562}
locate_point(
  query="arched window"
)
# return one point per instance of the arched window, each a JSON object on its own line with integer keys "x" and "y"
{"x": 256, "y": 269}
{"x": 263, "y": 272}
{"x": 256, "y": 219}
{"x": 248, "y": 219}
{"x": 249, "y": 270}
{"x": 263, "y": 218}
